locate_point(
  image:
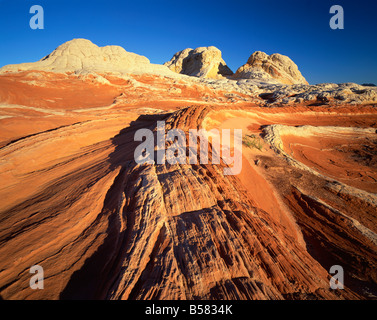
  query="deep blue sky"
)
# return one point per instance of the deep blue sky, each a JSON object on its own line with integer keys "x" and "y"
{"x": 158, "y": 29}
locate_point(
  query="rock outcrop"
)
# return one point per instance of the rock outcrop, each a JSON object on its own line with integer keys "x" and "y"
{"x": 203, "y": 62}
{"x": 206, "y": 62}
{"x": 81, "y": 55}
{"x": 274, "y": 67}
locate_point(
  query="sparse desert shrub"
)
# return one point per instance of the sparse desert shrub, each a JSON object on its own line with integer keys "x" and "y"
{"x": 252, "y": 141}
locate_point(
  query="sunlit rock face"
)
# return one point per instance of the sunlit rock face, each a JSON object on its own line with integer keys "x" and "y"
{"x": 203, "y": 62}
{"x": 276, "y": 66}
{"x": 81, "y": 55}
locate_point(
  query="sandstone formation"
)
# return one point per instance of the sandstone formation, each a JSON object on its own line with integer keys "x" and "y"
{"x": 266, "y": 67}
{"x": 81, "y": 55}
{"x": 203, "y": 62}
{"x": 75, "y": 202}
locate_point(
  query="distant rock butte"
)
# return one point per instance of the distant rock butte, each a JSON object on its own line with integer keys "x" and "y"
{"x": 275, "y": 66}
{"x": 202, "y": 62}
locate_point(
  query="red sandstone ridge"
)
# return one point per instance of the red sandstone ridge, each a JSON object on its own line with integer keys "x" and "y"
{"x": 75, "y": 202}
